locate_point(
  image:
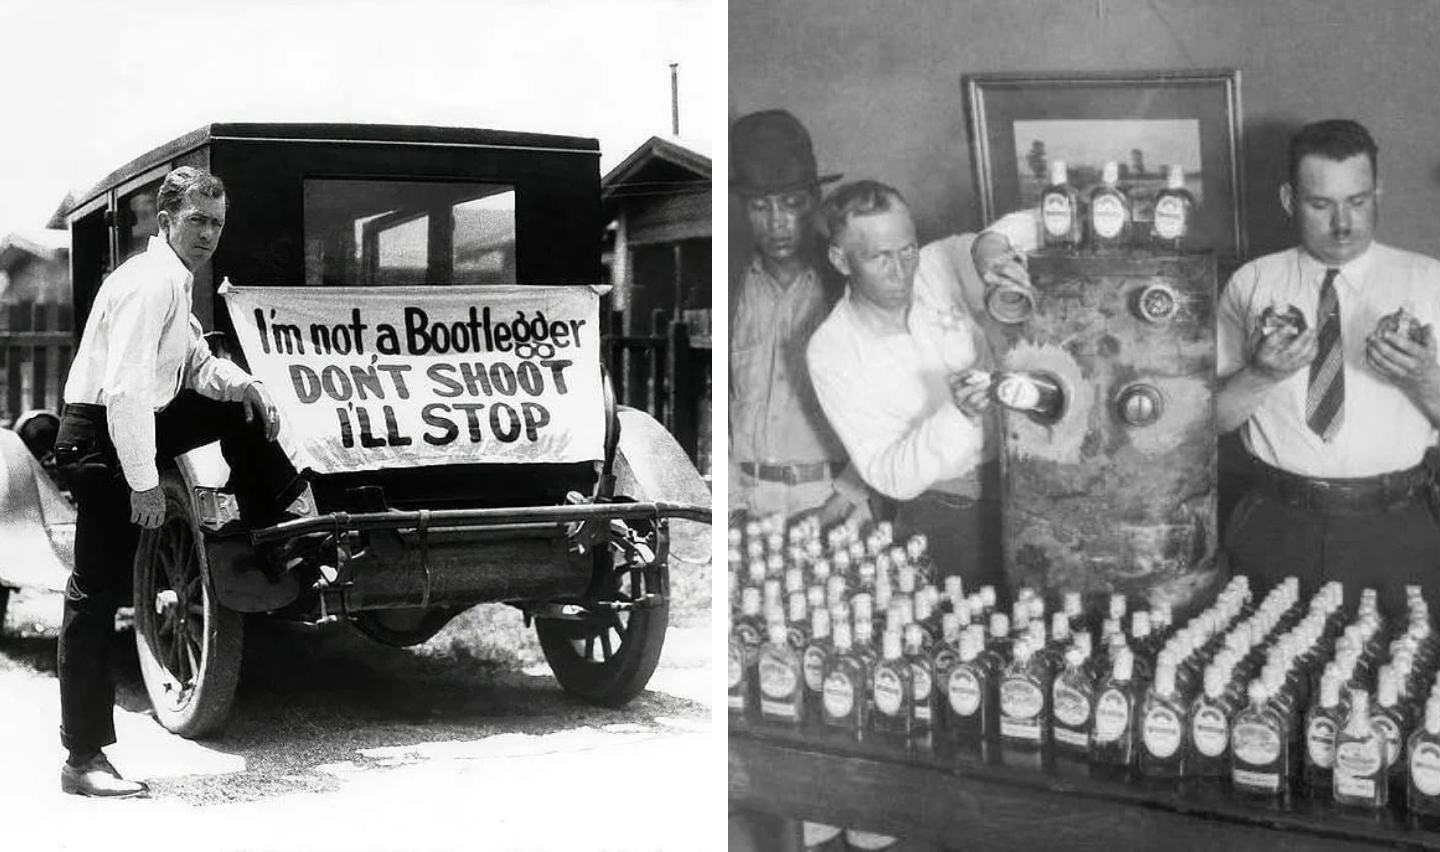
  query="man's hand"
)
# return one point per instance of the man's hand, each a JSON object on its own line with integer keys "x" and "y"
{"x": 971, "y": 392}
{"x": 1404, "y": 363}
{"x": 1279, "y": 354}
{"x": 997, "y": 263}
{"x": 147, "y": 508}
{"x": 258, "y": 403}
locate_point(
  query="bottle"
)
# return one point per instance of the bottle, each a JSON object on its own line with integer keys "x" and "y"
{"x": 1259, "y": 744}
{"x": 1322, "y": 725}
{"x": 1360, "y": 755}
{"x": 1174, "y": 212}
{"x": 741, "y": 679}
{"x": 1423, "y": 764}
{"x": 1208, "y": 758}
{"x": 922, "y": 683}
{"x": 970, "y": 705}
{"x": 1024, "y": 705}
{"x": 1112, "y": 740}
{"x": 1393, "y": 720}
{"x": 1060, "y": 217}
{"x": 812, "y": 662}
{"x": 845, "y": 678}
{"x": 746, "y": 638}
{"x": 1162, "y": 725}
{"x": 1073, "y": 703}
{"x": 782, "y": 680}
{"x": 893, "y": 692}
{"x": 1109, "y": 220}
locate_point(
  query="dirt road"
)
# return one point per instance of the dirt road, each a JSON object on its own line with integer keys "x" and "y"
{"x": 338, "y": 743}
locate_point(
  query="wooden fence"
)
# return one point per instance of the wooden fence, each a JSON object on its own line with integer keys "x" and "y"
{"x": 35, "y": 351}
{"x": 669, "y": 376}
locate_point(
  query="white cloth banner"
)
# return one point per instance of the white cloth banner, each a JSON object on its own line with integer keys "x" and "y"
{"x": 369, "y": 377}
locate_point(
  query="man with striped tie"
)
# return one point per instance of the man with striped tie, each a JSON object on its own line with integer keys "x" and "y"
{"x": 1337, "y": 415}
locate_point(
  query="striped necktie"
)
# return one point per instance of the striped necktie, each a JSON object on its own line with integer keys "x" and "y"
{"x": 1325, "y": 401}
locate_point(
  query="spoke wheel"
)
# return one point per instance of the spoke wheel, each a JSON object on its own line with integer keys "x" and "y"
{"x": 189, "y": 645}
{"x": 608, "y": 659}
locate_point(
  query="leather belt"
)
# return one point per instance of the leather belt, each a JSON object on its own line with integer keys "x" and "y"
{"x": 790, "y": 474}
{"x": 1349, "y": 496}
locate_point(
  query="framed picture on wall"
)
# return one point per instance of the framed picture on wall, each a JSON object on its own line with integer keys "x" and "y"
{"x": 1144, "y": 122}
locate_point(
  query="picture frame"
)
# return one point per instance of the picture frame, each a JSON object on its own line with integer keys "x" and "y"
{"x": 1145, "y": 121}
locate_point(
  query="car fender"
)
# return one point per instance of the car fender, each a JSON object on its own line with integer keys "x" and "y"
{"x": 37, "y": 522}
{"x": 650, "y": 465}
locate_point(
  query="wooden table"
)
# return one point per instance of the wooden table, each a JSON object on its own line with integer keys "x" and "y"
{"x": 982, "y": 799}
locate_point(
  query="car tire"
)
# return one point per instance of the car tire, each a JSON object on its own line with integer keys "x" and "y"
{"x": 608, "y": 659}
{"x": 189, "y": 645}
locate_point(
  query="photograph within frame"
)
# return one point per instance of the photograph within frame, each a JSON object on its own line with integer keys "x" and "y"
{"x": 1145, "y": 122}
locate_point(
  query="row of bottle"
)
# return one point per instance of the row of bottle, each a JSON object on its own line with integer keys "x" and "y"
{"x": 1104, "y": 220}
{"x": 1178, "y": 712}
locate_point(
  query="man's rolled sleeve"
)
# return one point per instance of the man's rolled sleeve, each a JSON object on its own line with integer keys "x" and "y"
{"x": 216, "y": 378}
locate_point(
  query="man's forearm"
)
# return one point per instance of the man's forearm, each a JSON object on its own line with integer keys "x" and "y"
{"x": 1240, "y": 394}
{"x": 1427, "y": 399}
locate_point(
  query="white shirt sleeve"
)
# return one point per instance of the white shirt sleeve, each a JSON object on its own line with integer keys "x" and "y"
{"x": 1021, "y": 229}
{"x": 1232, "y": 322}
{"x": 136, "y": 317}
{"x": 209, "y": 376}
{"x": 896, "y": 458}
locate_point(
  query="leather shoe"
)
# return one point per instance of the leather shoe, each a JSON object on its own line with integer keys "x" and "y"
{"x": 96, "y": 777}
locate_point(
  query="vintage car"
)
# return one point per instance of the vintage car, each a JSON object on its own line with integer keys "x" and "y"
{"x": 497, "y": 473}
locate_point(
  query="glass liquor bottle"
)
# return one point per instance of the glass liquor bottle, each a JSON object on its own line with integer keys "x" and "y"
{"x": 1174, "y": 212}
{"x": 1112, "y": 740}
{"x": 782, "y": 680}
{"x": 1073, "y": 703}
{"x": 746, "y": 636}
{"x": 1060, "y": 216}
{"x": 845, "y": 679}
{"x": 1360, "y": 774}
{"x": 893, "y": 692}
{"x": 925, "y": 700}
{"x": 1024, "y": 690}
{"x": 741, "y": 679}
{"x": 1207, "y": 759}
{"x": 1162, "y": 724}
{"x": 1322, "y": 725}
{"x": 1258, "y": 746}
{"x": 970, "y": 704}
{"x": 1423, "y": 765}
{"x": 812, "y": 662}
{"x": 1109, "y": 218}
{"x": 1393, "y": 719}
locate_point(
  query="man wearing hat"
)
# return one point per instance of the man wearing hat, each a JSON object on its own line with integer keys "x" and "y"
{"x": 784, "y": 457}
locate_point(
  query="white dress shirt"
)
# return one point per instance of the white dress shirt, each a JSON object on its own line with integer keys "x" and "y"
{"x": 1382, "y": 430}
{"x": 888, "y": 395}
{"x": 141, "y": 346}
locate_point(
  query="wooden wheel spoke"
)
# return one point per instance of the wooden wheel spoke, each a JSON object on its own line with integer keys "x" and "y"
{"x": 605, "y": 648}
{"x": 589, "y": 647}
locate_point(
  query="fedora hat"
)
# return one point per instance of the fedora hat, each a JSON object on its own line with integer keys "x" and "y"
{"x": 770, "y": 152}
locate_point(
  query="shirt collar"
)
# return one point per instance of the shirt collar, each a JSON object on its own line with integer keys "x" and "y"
{"x": 160, "y": 248}
{"x": 1352, "y": 273}
{"x": 805, "y": 279}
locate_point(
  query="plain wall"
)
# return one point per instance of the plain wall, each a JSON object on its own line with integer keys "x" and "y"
{"x": 878, "y": 85}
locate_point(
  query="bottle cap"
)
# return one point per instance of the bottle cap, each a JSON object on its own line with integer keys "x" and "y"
{"x": 1074, "y": 656}
{"x": 1111, "y": 172}
{"x": 1058, "y": 172}
{"x": 1117, "y": 606}
{"x": 1060, "y": 627}
{"x": 999, "y": 625}
{"x": 843, "y": 641}
{"x": 777, "y": 634}
{"x": 955, "y": 589}
{"x": 1432, "y": 715}
{"x": 750, "y": 601}
{"x": 799, "y": 607}
{"x": 1215, "y": 678}
{"x": 1140, "y": 624}
{"x": 820, "y": 624}
{"x": 914, "y": 638}
{"x": 987, "y": 596}
{"x": 950, "y": 626}
{"x": 1175, "y": 177}
{"x": 815, "y": 596}
{"x": 1329, "y": 688}
{"x": 1074, "y": 605}
{"x": 1122, "y": 663}
{"x": 1022, "y": 651}
{"x": 890, "y": 645}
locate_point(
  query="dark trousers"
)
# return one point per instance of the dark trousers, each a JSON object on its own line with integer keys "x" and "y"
{"x": 1384, "y": 550}
{"x": 261, "y": 476}
{"x": 964, "y": 536}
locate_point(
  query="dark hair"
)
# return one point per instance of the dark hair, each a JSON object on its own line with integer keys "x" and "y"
{"x": 183, "y": 180}
{"x": 1334, "y": 139}
{"x": 857, "y": 198}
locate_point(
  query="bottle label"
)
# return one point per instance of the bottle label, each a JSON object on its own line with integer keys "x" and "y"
{"x": 1210, "y": 732}
{"x": 777, "y": 678}
{"x": 1358, "y": 759}
{"x": 814, "y": 665}
{"x": 1251, "y": 780}
{"x": 1348, "y": 785}
{"x": 1170, "y": 217}
{"x": 1161, "y": 732}
{"x": 737, "y": 666}
{"x": 1255, "y": 744}
{"x": 964, "y": 692}
{"x": 1425, "y": 768}
{"x": 889, "y": 692}
{"x": 920, "y": 684}
{"x": 1320, "y": 743}
{"x": 1020, "y": 699}
{"x": 1057, "y": 215}
{"x": 1392, "y": 738}
{"x": 1107, "y": 216}
{"x": 1071, "y": 737}
{"x": 1112, "y": 716}
{"x": 1071, "y": 706}
{"x": 839, "y": 696}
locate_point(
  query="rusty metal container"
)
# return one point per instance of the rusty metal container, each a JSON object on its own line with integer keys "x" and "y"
{"x": 1117, "y": 491}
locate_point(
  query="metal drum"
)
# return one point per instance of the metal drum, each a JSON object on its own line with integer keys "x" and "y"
{"x": 1113, "y": 487}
